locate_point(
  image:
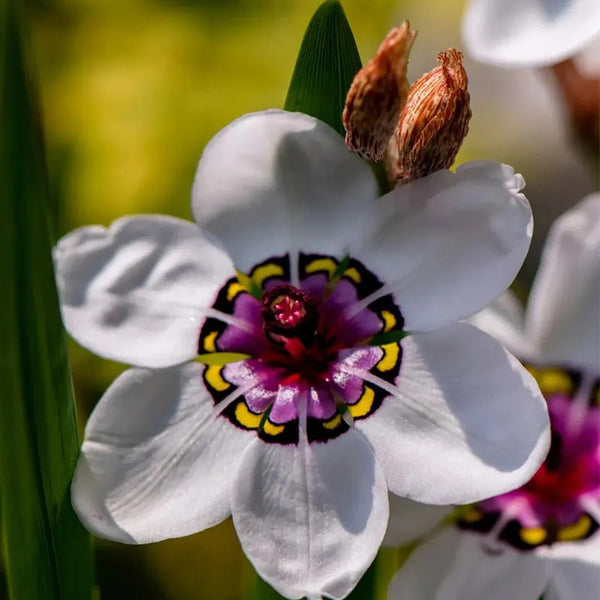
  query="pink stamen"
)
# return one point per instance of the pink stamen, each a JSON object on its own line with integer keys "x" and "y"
{"x": 288, "y": 311}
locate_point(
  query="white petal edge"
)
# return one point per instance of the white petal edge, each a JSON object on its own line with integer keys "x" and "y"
{"x": 449, "y": 243}
{"x": 504, "y": 320}
{"x": 563, "y": 312}
{"x": 528, "y": 33}
{"x": 310, "y": 518}
{"x": 575, "y": 570}
{"x": 157, "y": 459}
{"x": 410, "y": 520}
{"x": 457, "y": 566}
{"x": 136, "y": 292}
{"x": 275, "y": 182}
{"x": 466, "y": 421}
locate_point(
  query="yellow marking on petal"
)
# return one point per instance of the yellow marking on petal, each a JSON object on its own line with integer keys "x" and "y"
{"x": 390, "y": 357}
{"x": 264, "y": 272}
{"x": 272, "y": 429}
{"x": 389, "y": 320}
{"x": 333, "y": 423}
{"x": 576, "y": 531}
{"x": 554, "y": 381}
{"x": 243, "y": 279}
{"x": 209, "y": 341}
{"x": 249, "y": 285}
{"x": 322, "y": 264}
{"x": 353, "y": 274}
{"x": 234, "y": 289}
{"x": 246, "y": 417}
{"x": 215, "y": 379}
{"x": 220, "y": 358}
{"x": 534, "y": 535}
{"x": 472, "y": 515}
{"x": 364, "y": 404}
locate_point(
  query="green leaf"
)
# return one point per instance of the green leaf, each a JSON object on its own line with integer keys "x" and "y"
{"x": 388, "y": 337}
{"x": 46, "y": 550}
{"x": 255, "y": 588}
{"x": 375, "y": 582}
{"x": 220, "y": 358}
{"x": 365, "y": 589}
{"x": 260, "y": 590}
{"x": 326, "y": 65}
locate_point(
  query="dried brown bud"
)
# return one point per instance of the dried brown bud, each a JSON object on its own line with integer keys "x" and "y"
{"x": 377, "y": 95}
{"x": 433, "y": 123}
{"x": 581, "y": 97}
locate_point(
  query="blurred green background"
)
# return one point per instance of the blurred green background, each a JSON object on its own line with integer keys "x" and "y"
{"x": 132, "y": 91}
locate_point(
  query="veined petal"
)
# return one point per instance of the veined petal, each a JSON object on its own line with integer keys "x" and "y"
{"x": 503, "y": 319}
{"x": 575, "y": 571}
{"x": 274, "y": 182}
{"x": 410, "y": 520}
{"x": 449, "y": 243}
{"x": 563, "y": 313}
{"x": 310, "y": 517}
{"x": 528, "y": 33}
{"x": 157, "y": 458}
{"x": 136, "y": 292}
{"x": 457, "y": 566}
{"x": 465, "y": 422}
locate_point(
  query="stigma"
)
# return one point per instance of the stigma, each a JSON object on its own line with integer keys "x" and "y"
{"x": 289, "y": 314}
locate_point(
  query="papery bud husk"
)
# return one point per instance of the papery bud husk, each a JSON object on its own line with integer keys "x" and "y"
{"x": 377, "y": 95}
{"x": 581, "y": 99}
{"x": 433, "y": 123}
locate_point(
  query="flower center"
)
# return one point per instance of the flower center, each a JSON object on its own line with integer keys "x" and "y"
{"x": 299, "y": 343}
{"x": 289, "y": 314}
{"x": 560, "y": 479}
{"x": 289, "y": 360}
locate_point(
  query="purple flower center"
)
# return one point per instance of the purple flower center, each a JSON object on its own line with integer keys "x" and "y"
{"x": 310, "y": 363}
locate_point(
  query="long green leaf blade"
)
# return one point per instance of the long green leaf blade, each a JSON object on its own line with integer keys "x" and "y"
{"x": 326, "y": 65}
{"x": 46, "y": 550}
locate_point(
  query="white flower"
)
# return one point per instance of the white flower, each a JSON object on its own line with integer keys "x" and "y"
{"x": 296, "y": 288}
{"x": 528, "y": 33}
{"x": 543, "y": 538}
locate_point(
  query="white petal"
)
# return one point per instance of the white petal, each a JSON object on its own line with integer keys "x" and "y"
{"x": 466, "y": 420}
{"x": 136, "y": 292}
{"x": 157, "y": 459}
{"x": 528, "y": 33}
{"x": 575, "y": 571}
{"x": 455, "y": 566}
{"x": 503, "y": 319}
{"x": 422, "y": 574}
{"x": 310, "y": 517}
{"x": 410, "y": 520}
{"x": 449, "y": 243}
{"x": 563, "y": 313}
{"x": 274, "y": 181}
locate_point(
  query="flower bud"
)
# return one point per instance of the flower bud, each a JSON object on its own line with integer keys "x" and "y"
{"x": 433, "y": 123}
{"x": 377, "y": 95}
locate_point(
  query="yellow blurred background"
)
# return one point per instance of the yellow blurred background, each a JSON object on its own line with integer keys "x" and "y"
{"x": 133, "y": 89}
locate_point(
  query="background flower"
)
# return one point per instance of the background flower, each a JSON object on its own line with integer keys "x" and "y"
{"x": 543, "y": 538}
{"x": 528, "y": 33}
